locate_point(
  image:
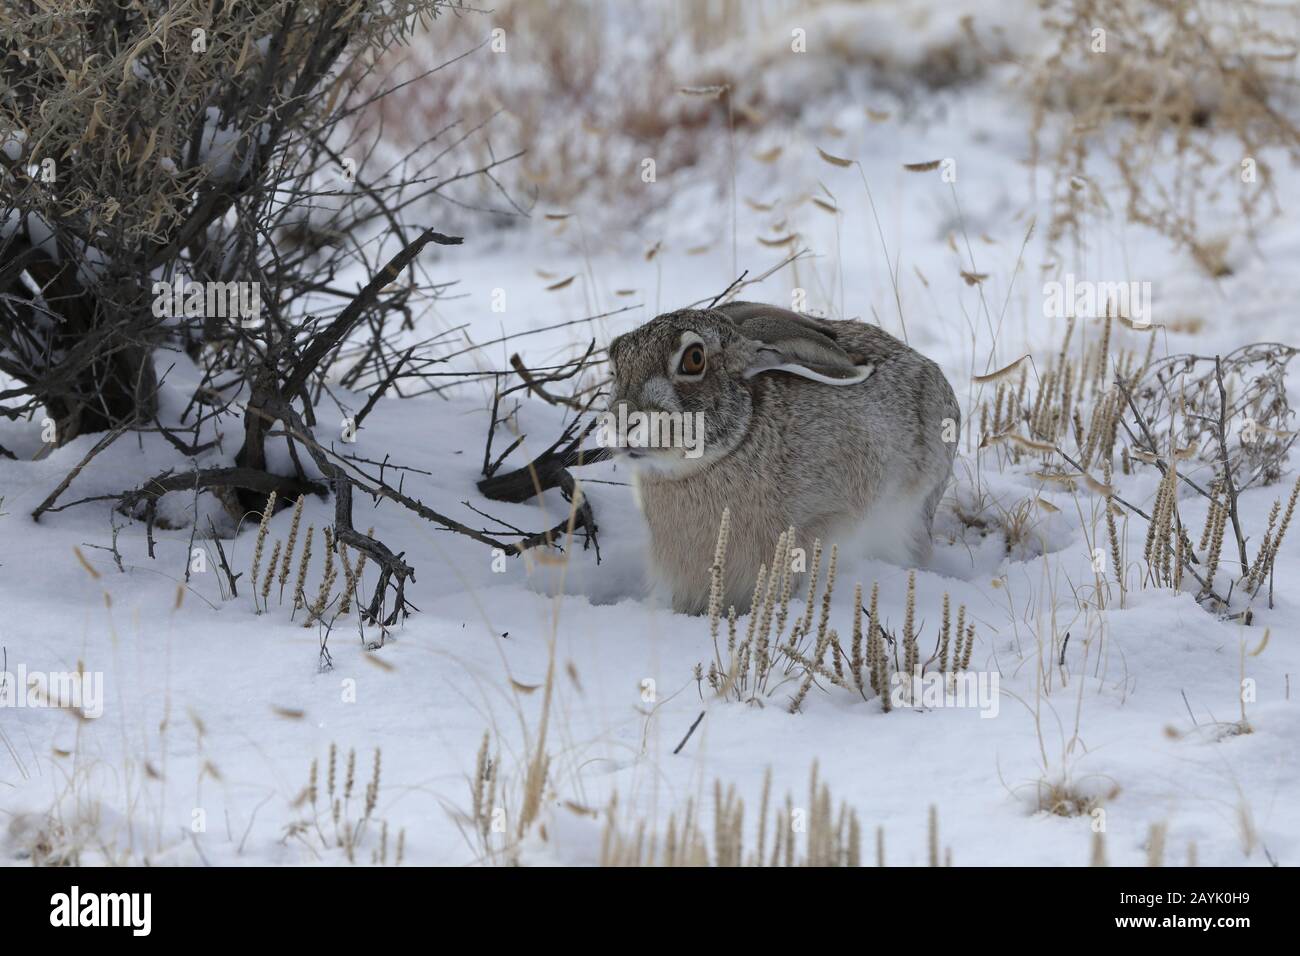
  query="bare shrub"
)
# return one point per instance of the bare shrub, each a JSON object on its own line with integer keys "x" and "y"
{"x": 153, "y": 141}
{"x": 1186, "y": 98}
{"x": 1103, "y": 408}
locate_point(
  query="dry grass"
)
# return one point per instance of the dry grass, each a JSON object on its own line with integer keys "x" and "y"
{"x": 550, "y": 81}
{"x": 561, "y": 80}
{"x": 770, "y": 656}
{"x": 328, "y": 604}
{"x": 816, "y": 832}
{"x": 1184, "y": 95}
{"x": 1212, "y": 426}
{"x": 343, "y": 818}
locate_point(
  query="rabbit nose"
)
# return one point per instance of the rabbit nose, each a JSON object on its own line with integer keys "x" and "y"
{"x": 657, "y": 395}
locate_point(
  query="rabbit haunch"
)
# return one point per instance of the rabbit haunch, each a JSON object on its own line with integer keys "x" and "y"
{"x": 835, "y": 428}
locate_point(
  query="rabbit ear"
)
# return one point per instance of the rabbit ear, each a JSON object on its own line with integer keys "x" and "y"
{"x": 743, "y": 314}
{"x": 840, "y": 372}
{"x": 790, "y": 342}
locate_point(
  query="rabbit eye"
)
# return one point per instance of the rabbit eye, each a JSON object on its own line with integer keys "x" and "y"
{"x": 692, "y": 362}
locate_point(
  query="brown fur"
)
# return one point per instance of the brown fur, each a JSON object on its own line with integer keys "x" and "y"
{"x": 781, "y": 450}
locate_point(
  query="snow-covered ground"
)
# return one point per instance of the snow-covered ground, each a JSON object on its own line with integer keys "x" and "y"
{"x": 213, "y": 713}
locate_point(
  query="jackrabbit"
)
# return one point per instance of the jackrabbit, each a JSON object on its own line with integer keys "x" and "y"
{"x": 835, "y": 428}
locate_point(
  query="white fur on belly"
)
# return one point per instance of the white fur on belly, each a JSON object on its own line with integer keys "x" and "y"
{"x": 892, "y": 530}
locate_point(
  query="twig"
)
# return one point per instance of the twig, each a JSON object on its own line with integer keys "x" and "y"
{"x": 1206, "y": 590}
{"x": 1229, "y": 486}
{"x": 721, "y": 295}
{"x": 383, "y": 386}
{"x": 104, "y": 441}
{"x": 736, "y": 286}
{"x": 1147, "y": 434}
{"x": 231, "y": 577}
{"x": 535, "y": 385}
{"x": 678, "y": 748}
{"x": 392, "y": 569}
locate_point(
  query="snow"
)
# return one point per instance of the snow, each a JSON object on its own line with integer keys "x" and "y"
{"x": 214, "y": 712}
{"x": 41, "y": 236}
{"x": 219, "y": 146}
